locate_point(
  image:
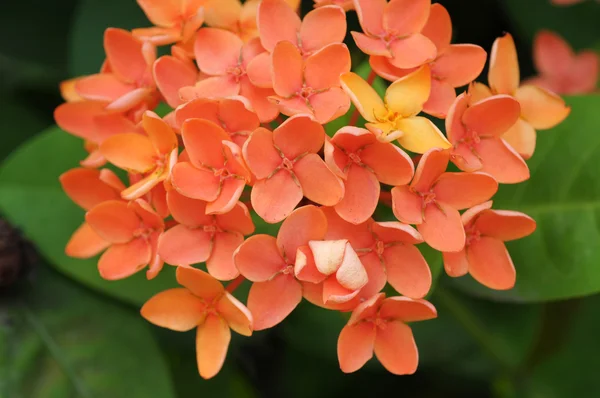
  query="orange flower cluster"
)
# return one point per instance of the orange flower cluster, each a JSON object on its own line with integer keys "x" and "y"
{"x": 233, "y": 69}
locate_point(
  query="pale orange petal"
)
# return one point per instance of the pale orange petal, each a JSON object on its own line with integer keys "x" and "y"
{"x": 258, "y": 258}
{"x": 364, "y": 97}
{"x": 113, "y": 221}
{"x": 442, "y": 228}
{"x": 322, "y": 70}
{"x": 505, "y": 225}
{"x": 287, "y": 69}
{"x": 370, "y": 15}
{"x": 129, "y": 151}
{"x": 438, "y": 27}
{"x": 124, "y": 54}
{"x": 412, "y": 51}
{"x": 502, "y": 162}
{"x": 321, "y": 27}
{"x": 396, "y": 349}
{"x": 202, "y": 140}
{"x": 176, "y": 309}
{"x": 217, "y": 50}
{"x": 84, "y": 187}
{"x": 361, "y": 195}
{"x": 355, "y": 346}
{"x": 212, "y": 341}
{"x": 275, "y": 198}
{"x": 521, "y": 137}
{"x": 299, "y": 135}
{"x": 503, "y": 75}
{"x": 492, "y": 116}
{"x": 283, "y": 290}
{"x": 200, "y": 283}
{"x": 456, "y": 264}
{"x": 404, "y": 17}
{"x": 464, "y": 190}
{"x": 122, "y": 260}
{"x": 490, "y": 264}
{"x": 305, "y": 224}
{"x": 220, "y": 263}
{"x": 194, "y": 182}
{"x": 407, "y": 270}
{"x": 181, "y": 245}
{"x": 541, "y": 108}
{"x": 318, "y": 182}
{"x": 171, "y": 74}
{"x": 431, "y": 166}
{"x": 406, "y": 309}
{"x": 277, "y": 21}
{"x": 407, "y": 205}
{"x": 85, "y": 243}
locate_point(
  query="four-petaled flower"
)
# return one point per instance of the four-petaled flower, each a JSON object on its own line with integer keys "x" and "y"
{"x": 485, "y": 256}
{"x": 204, "y": 304}
{"x": 174, "y": 20}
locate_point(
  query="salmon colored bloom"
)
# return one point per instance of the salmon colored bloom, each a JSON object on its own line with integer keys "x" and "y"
{"x": 233, "y": 68}
{"x": 393, "y": 30}
{"x": 434, "y": 197}
{"x": 236, "y": 17}
{"x": 560, "y": 69}
{"x": 132, "y": 230}
{"x": 234, "y": 114}
{"x": 202, "y": 238}
{"x": 363, "y": 162}
{"x": 215, "y": 172}
{"x": 475, "y": 130}
{"x": 540, "y": 109}
{"x": 171, "y": 74}
{"x": 485, "y": 257}
{"x": 269, "y": 263}
{"x": 335, "y": 265}
{"x": 88, "y": 188}
{"x": 204, "y": 304}
{"x": 456, "y": 65}
{"x": 395, "y": 116}
{"x": 379, "y": 325}
{"x": 126, "y": 83}
{"x": 153, "y": 154}
{"x": 277, "y": 22}
{"x": 347, "y": 5}
{"x": 287, "y": 167}
{"x": 174, "y": 21}
{"x": 310, "y": 85}
{"x": 387, "y": 251}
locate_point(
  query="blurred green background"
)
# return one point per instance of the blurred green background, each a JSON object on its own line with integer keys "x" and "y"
{"x": 64, "y": 332}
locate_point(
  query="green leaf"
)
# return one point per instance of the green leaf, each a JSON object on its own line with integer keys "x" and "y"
{"x": 560, "y": 260}
{"x": 86, "y": 52}
{"x": 58, "y": 340}
{"x": 32, "y": 199}
{"x": 18, "y": 123}
{"x": 578, "y": 24}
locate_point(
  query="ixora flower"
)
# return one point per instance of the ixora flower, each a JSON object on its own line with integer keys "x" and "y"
{"x": 485, "y": 257}
{"x": 253, "y": 87}
{"x": 203, "y": 304}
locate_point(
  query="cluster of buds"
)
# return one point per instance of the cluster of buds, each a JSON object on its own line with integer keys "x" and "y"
{"x": 251, "y": 87}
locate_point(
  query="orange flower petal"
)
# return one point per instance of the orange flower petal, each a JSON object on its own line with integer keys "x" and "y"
{"x": 159, "y": 12}
{"x": 77, "y": 118}
{"x": 376, "y": 274}
{"x": 259, "y": 153}
{"x": 442, "y": 228}
{"x": 84, "y": 187}
{"x": 305, "y": 267}
{"x": 407, "y": 205}
{"x": 521, "y": 137}
{"x": 390, "y": 164}
{"x": 587, "y": 64}
{"x": 176, "y": 309}
{"x": 406, "y": 309}
{"x": 361, "y": 195}
{"x": 359, "y": 235}
{"x": 419, "y": 135}
{"x": 277, "y": 22}
{"x": 505, "y": 225}
{"x": 212, "y": 87}
{"x": 541, "y": 108}
{"x": 351, "y": 273}
{"x": 220, "y": 263}
{"x": 200, "y": 283}
{"x": 394, "y": 232}
{"x": 161, "y": 134}
{"x": 212, "y": 341}
{"x": 200, "y": 108}
{"x": 299, "y": 135}
{"x": 318, "y": 182}
{"x": 373, "y": 46}
{"x": 223, "y": 14}
{"x": 335, "y": 293}
{"x": 355, "y": 346}
{"x": 464, "y": 190}
{"x": 129, "y": 151}
{"x": 202, "y": 140}
{"x": 366, "y": 309}
{"x": 304, "y": 224}
{"x": 217, "y": 50}
{"x": 323, "y": 68}
{"x": 187, "y": 211}
{"x": 460, "y": 64}
{"x": 407, "y": 270}
{"x": 260, "y": 71}
{"x": 478, "y": 92}
{"x": 441, "y": 97}
{"x": 408, "y": 94}
{"x": 122, "y": 260}
{"x": 259, "y": 98}
{"x": 503, "y": 75}
{"x": 322, "y": 26}
{"x": 466, "y": 158}
{"x": 181, "y": 245}
{"x": 284, "y": 290}
{"x": 258, "y": 258}
{"x": 171, "y": 74}
{"x": 396, "y": 349}
{"x": 236, "y": 314}
{"x": 364, "y": 97}
{"x": 195, "y": 183}
{"x": 456, "y": 264}
{"x": 438, "y": 27}
{"x": 229, "y": 193}
{"x": 492, "y": 116}
{"x": 288, "y": 69}
{"x": 85, "y": 243}
{"x": 102, "y": 87}
{"x": 275, "y": 198}
{"x": 236, "y": 220}
{"x": 330, "y": 104}
{"x": 328, "y": 255}
{"x": 502, "y": 162}
{"x": 431, "y": 166}
{"x": 114, "y": 221}
{"x": 490, "y": 264}
{"x": 370, "y": 15}
{"x": 412, "y": 51}
{"x": 552, "y": 55}
{"x": 157, "y": 36}
{"x": 404, "y": 17}
{"x": 124, "y": 54}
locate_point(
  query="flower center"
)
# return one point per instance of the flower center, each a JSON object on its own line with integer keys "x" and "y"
{"x": 237, "y": 72}
{"x": 428, "y": 197}
{"x": 355, "y": 158}
{"x": 287, "y": 164}
{"x": 142, "y": 232}
{"x": 222, "y": 173}
{"x": 473, "y": 235}
{"x": 306, "y": 92}
{"x": 288, "y": 270}
{"x": 379, "y": 247}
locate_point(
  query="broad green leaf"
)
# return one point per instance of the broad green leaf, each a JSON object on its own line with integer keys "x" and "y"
{"x": 578, "y": 24}
{"x": 560, "y": 260}
{"x": 31, "y": 199}
{"x": 18, "y": 123}
{"x": 86, "y": 52}
{"x": 59, "y": 340}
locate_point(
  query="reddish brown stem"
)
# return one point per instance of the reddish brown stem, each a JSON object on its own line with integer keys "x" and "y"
{"x": 356, "y": 114}
{"x": 371, "y": 77}
{"x": 234, "y": 284}
{"x": 279, "y": 119}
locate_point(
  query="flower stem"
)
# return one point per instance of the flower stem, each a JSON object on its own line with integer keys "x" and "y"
{"x": 234, "y": 284}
